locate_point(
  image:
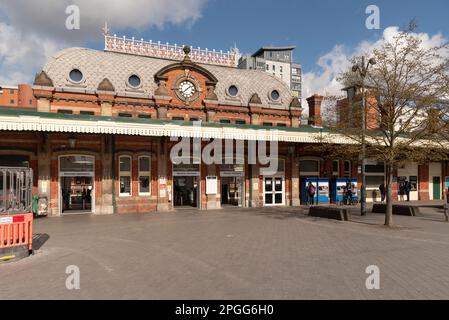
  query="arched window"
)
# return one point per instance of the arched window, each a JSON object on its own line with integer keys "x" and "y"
{"x": 144, "y": 176}
{"x": 125, "y": 175}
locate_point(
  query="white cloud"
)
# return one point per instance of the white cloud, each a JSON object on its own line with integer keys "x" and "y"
{"x": 324, "y": 80}
{"x": 32, "y": 30}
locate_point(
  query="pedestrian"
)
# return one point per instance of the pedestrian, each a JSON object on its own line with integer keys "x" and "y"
{"x": 383, "y": 192}
{"x": 311, "y": 190}
{"x": 349, "y": 194}
{"x": 408, "y": 188}
{"x": 401, "y": 191}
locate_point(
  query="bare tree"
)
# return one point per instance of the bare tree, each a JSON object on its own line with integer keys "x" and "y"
{"x": 403, "y": 91}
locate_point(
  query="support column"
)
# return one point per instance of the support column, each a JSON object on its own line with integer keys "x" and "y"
{"x": 44, "y": 177}
{"x": 106, "y": 179}
{"x": 162, "y": 194}
{"x": 255, "y": 190}
{"x": 295, "y": 183}
{"x": 213, "y": 201}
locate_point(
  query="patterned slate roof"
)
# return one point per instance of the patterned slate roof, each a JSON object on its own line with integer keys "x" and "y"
{"x": 117, "y": 67}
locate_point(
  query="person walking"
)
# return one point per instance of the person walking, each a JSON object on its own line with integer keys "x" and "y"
{"x": 407, "y": 189}
{"x": 383, "y": 192}
{"x": 311, "y": 190}
{"x": 349, "y": 194}
{"x": 401, "y": 191}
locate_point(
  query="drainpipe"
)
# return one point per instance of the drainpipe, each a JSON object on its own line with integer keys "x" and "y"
{"x": 250, "y": 191}
{"x": 114, "y": 204}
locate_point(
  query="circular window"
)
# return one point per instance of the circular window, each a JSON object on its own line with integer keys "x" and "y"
{"x": 275, "y": 95}
{"x": 134, "y": 81}
{"x": 233, "y": 91}
{"x": 76, "y": 76}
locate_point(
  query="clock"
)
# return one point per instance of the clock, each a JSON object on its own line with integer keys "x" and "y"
{"x": 187, "y": 89}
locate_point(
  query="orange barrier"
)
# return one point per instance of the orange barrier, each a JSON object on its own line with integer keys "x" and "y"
{"x": 16, "y": 230}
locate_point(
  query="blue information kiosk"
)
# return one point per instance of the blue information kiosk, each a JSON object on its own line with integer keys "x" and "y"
{"x": 339, "y": 186}
{"x": 322, "y": 190}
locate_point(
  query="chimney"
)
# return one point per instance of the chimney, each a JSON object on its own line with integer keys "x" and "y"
{"x": 315, "y": 110}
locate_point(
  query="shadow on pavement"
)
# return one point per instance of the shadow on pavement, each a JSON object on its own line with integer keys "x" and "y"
{"x": 39, "y": 239}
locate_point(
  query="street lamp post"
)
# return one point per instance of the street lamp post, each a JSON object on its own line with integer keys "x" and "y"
{"x": 363, "y": 70}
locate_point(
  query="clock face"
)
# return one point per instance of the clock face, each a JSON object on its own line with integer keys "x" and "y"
{"x": 187, "y": 89}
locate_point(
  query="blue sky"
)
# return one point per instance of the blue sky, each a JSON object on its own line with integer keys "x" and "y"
{"x": 315, "y": 27}
{"x": 326, "y": 32}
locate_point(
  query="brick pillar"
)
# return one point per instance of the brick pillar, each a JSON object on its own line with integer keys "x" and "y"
{"x": 295, "y": 183}
{"x": 106, "y": 177}
{"x": 315, "y": 110}
{"x": 213, "y": 201}
{"x": 423, "y": 182}
{"x": 162, "y": 190}
{"x": 254, "y": 181}
{"x": 43, "y": 171}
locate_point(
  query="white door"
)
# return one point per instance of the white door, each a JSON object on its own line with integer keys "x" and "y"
{"x": 274, "y": 194}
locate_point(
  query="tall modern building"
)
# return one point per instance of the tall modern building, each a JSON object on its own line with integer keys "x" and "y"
{"x": 277, "y": 61}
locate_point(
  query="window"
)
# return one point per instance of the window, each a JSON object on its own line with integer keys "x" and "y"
{"x": 240, "y": 122}
{"x": 125, "y": 115}
{"x": 134, "y": 81}
{"x": 145, "y": 116}
{"x": 335, "y": 168}
{"x": 65, "y": 111}
{"x": 87, "y": 113}
{"x": 375, "y": 175}
{"x": 267, "y": 124}
{"x": 268, "y": 67}
{"x": 375, "y": 168}
{"x": 225, "y": 121}
{"x": 144, "y": 175}
{"x": 125, "y": 176}
{"x": 76, "y": 76}
{"x": 11, "y": 101}
{"x": 193, "y": 119}
{"x": 281, "y": 69}
{"x": 178, "y": 118}
{"x": 373, "y": 182}
{"x": 347, "y": 169}
{"x": 275, "y": 95}
{"x": 311, "y": 166}
{"x": 281, "y": 124}
{"x": 30, "y": 102}
{"x": 274, "y": 67}
{"x": 233, "y": 91}
{"x": 11, "y": 91}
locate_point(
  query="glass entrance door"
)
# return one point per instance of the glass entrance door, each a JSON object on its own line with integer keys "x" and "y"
{"x": 76, "y": 180}
{"x": 232, "y": 191}
{"x": 186, "y": 191}
{"x": 274, "y": 191}
{"x": 76, "y": 194}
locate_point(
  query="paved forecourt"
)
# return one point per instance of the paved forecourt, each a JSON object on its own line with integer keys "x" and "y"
{"x": 269, "y": 253}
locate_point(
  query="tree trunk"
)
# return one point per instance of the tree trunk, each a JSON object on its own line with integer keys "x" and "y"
{"x": 389, "y": 203}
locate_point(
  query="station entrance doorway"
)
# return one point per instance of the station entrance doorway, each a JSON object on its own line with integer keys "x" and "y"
{"x": 76, "y": 180}
{"x": 186, "y": 186}
{"x": 232, "y": 185}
